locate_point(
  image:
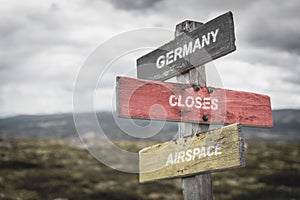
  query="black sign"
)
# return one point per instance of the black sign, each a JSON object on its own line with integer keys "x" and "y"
{"x": 208, "y": 42}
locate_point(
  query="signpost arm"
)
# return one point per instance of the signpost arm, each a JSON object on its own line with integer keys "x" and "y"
{"x": 197, "y": 187}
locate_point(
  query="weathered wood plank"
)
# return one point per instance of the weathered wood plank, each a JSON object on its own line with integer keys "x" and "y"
{"x": 208, "y": 42}
{"x": 145, "y": 99}
{"x": 216, "y": 150}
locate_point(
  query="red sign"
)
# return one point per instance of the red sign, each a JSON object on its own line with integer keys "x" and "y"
{"x": 145, "y": 99}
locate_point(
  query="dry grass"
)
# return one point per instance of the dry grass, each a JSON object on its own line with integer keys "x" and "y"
{"x": 52, "y": 169}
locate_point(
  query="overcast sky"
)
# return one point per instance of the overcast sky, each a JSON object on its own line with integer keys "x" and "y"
{"x": 44, "y": 44}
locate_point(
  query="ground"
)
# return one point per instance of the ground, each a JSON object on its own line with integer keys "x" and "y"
{"x": 54, "y": 169}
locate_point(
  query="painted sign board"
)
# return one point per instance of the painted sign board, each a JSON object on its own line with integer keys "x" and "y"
{"x": 210, "y": 41}
{"x": 146, "y": 99}
{"x": 212, "y": 151}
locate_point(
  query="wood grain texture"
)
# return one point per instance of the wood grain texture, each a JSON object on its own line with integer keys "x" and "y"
{"x": 224, "y": 44}
{"x": 198, "y": 187}
{"x": 145, "y": 99}
{"x": 224, "y": 150}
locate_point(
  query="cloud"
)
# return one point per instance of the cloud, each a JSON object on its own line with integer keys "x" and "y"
{"x": 139, "y": 5}
{"x": 44, "y": 44}
{"x": 276, "y": 27}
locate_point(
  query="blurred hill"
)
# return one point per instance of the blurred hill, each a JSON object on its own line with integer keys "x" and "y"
{"x": 286, "y": 127}
{"x": 62, "y": 126}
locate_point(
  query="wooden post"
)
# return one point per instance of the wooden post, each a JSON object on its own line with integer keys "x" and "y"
{"x": 197, "y": 187}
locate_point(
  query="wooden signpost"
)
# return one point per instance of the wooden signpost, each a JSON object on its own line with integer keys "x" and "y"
{"x": 191, "y": 156}
{"x": 211, "y": 151}
{"x": 145, "y": 99}
{"x": 208, "y": 42}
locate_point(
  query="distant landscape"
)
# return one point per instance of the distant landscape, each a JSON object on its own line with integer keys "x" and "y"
{"x": 38, "y": 160}
{"x": 61, "y": 126}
